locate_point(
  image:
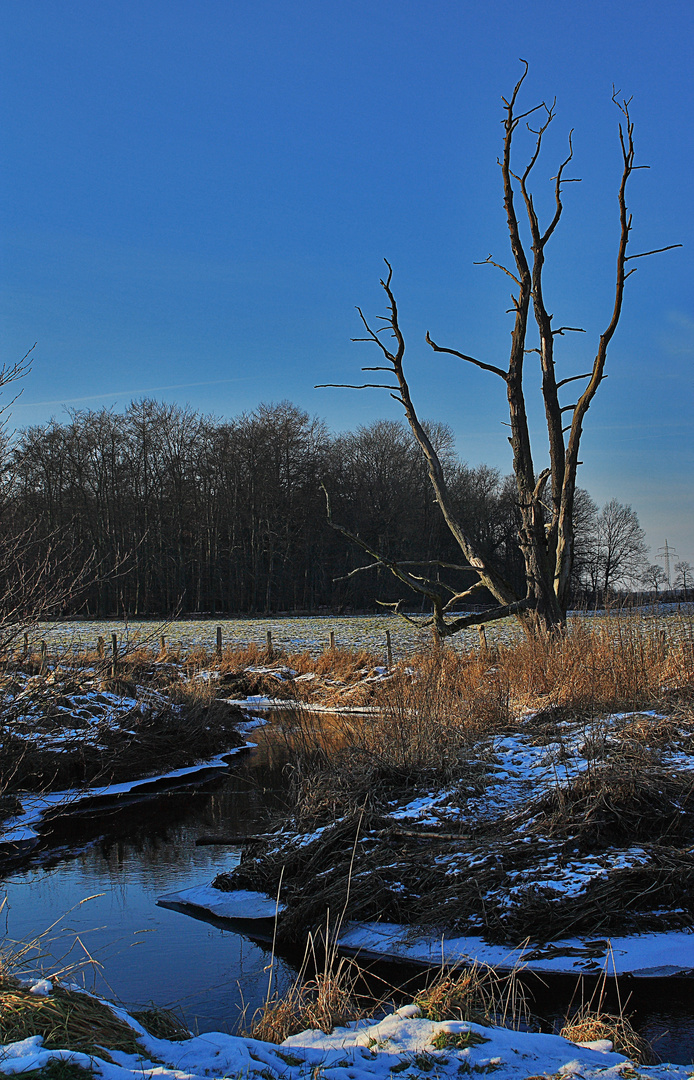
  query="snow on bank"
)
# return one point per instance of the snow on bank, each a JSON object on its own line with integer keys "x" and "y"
{"x": 22, "y": 828}
{"x": 642, "y": 955}
{"x": 240, "y": 904}
{"x": 402, "y": 1042}
{"x": 653, "y": 955}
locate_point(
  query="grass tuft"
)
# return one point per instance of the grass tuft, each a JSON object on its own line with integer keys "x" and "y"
{"x": 67, "y": 1020}
{"x": 477, "y": 993}
{"x": 588, "y": 1025}
{"x": 162, "y": 1023}
{"x": 459, "y": 1040}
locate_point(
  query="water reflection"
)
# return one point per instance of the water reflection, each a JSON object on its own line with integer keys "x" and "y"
{"x": 129, "y": 855}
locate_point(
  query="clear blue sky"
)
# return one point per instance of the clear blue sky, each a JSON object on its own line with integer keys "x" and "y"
{"x": 196, "y": 193}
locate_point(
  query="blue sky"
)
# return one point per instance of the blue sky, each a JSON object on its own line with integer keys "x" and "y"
{"x": 196, "y": 193}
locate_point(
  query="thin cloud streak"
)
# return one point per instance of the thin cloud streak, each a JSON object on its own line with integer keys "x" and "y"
{"x": 127, "y": 393}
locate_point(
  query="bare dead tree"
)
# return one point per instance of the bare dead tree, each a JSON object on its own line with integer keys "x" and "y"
{"x": 545, "y": 497}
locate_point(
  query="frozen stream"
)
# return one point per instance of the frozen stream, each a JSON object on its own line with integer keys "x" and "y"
{"x": 131, "y": 855}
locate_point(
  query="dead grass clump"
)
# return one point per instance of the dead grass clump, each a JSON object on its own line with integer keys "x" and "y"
{"x": 243, "y": 684}
{"x": 320, "y": 872}
{"x": 674, "y": 732}
{"x": 426, "y": 724}
{"x": 323, "y": 1001}
{"x": 624, "y": 799}
{"x": 67, "y": 1020}
{"x": 237, "y": 657}
{"x": 345, "y": 664}
{"x": 120, "y": 686}
{"x": 162, "y": 1023}
{"x": 59, "y": 1068}
{"x": 598, "y": 665}
{"x": 588, "y": 1026}
{"x": 478, "y": 994}
{"x": 63, "y": 732}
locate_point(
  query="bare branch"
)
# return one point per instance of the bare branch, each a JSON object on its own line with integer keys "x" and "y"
{"x": 477, "y": 587}
{"x": 395, "y": 607}
{"x": 478, "y": 618}
{"x": 573, "y": 378}
{"x": 490, "y": 262}
{"x": 574, "y": 329}
{"x": 354, "y": 386}
{"x": 539, "y": 486}
{"x": 655, "y": 251}
{"x": 462, "y": 356}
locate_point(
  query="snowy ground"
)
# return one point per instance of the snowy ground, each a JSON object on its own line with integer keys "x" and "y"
{"x": 67, "y": 739}
{"x": 401, "y": 1044}
{"x": 568, "y": 832}
{"x": 300, "y": 634}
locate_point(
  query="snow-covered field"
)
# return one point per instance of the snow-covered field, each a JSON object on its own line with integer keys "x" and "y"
{"x": 299, "y": 634}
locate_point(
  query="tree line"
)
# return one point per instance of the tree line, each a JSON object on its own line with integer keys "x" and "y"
{"x": 178, "y": 511}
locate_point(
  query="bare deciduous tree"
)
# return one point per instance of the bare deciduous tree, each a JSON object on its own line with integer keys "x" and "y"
{"x": 685, "y": 573}
{"x": 38, "y": 577}
{"x": 654, "y": 577}
{"x": 620, "y": 549}
{"x": 546, "y": 496}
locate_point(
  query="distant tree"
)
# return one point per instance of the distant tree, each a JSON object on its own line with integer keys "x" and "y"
{"x": 40, "y": 571}
{"x": 653, "y": 577}
{"x": 620, "y": 549}
{"x": 585, "y": 522}
{"x": 684, "y": 574}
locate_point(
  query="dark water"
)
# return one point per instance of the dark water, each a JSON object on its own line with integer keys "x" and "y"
{"x": 125, "y": 857}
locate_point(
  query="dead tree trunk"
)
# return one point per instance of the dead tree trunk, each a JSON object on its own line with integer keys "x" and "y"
{"x": 545, "y": 497}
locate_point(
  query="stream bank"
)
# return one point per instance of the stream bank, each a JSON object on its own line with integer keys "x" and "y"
{"x": 208, "y": 970}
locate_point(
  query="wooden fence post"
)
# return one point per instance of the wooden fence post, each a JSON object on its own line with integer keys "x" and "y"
{"x": 114, "y": 655}
{"x": 332, "y": 641}
{"x": 389, "y": 651}
{"x": 100, "y": 648}
{"x": 483, "y": 639}
{"x": 162, "y": 645}
{"x": 219, "y": 643}
{"x": 43, "y": 663}
{"x": 25, "y": 653}
{"x": 270, "y": 653}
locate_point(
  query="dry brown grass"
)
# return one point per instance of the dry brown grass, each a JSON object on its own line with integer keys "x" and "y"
{"x": 628, "y": 798}
{"x": 477, "y": 993}
{"x": 66, "y": 1019}
{"x": 48, "y": 742}
{"x": 588, "y": 1025}
{"x": 162, "y": 1023}
{"x": 324, "y": 1000}
{"x": 435, "y": 730}
{"x": 599, "y": 665}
